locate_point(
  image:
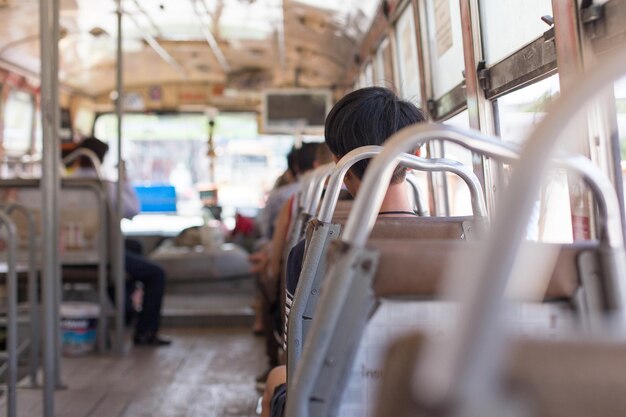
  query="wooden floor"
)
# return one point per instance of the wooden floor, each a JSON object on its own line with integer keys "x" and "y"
{"x": 205, "y": 373}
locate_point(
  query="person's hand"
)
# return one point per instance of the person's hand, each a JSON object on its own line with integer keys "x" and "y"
{"x": 259, "y": 262}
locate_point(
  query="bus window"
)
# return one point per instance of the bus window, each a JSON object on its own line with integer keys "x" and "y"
{"x": 172, "y": 150}
{"x": 406, "y": 56}
{"x": 459, "y": 200}
{"x": 620, "y": 105}
{"x": 83, "y": 121}
{"x": 368, "y": 75}
{"x": 509, "y": 25}
{"x": 19, "y": 112}
{"x": 445, "y": 44}
{"x": 518, "y": 113}
{"x": 383, "y": 65}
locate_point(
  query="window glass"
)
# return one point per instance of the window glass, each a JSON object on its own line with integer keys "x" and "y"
{"x": 446, "y": 44}
{"x": 83, "y": 121}
{"x": 172, "y": 150}
{"x": 459, "y": 199}
{"x": 620, "y": 105}
{"x": 518, "y": 113}
{"x": 383, "y": 65}
{"x": 368, "y": 75}
{"x": 509, "y": 25}
{"x": 360, "y": 81}
{"x": 406, "y": 54}
{"x": 19, "y": 114}
{"x": 521, "y": 110}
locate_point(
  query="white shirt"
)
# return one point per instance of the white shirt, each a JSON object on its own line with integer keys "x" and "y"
{"x": 130, "y": 202}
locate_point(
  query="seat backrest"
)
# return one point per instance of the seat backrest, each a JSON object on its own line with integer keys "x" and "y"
{"x": 84, "y": 218}
{"x": 554, "y": 378}
{"x": 319, "y": 235}
{"x": 404, "y": 286}
{"x": 417, "y": 267}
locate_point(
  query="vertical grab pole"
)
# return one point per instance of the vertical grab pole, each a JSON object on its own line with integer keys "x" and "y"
{"x": 11, "y": 314}
{"x": 56, "y": 117}
{"x": 49, "y": 37}
{"x": 117, "y": 232}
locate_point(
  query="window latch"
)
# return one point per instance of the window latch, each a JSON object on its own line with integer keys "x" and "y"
{"x": 431, "y": 105}
{"x": 483, "y": 75}
{"x": 592, "y": 14}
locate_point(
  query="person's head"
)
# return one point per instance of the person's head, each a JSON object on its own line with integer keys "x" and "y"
{"x": 368, "y": 116}
{"x": 96, "y": 146}
{"x": 323, "y": 155}
{"x": 292, "y": 161}
{"x": 305, "y": 158}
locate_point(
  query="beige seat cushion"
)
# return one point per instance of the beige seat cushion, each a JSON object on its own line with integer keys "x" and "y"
{"x": 555, "y": 379}
{"x": 417, "y": 267}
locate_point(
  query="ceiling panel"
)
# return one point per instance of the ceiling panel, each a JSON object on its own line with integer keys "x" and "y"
{"x": 320, "y": 39}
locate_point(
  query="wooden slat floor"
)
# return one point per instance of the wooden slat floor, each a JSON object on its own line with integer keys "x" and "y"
{"x": 205, "y": 373}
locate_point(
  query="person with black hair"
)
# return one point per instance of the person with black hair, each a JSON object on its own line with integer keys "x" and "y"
{"x": 287, "y": 185}
{"x": 368, "y": 116}
{"x": 267, "y": 262}
{"x": 136, "y": 265}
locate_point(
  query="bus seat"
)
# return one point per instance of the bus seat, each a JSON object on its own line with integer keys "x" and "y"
{"x": 84, "y": 227}
{"x": 80, "y": 218}
{"x": 564, "y": 378}
{"x": 422, "y": 228}
{"x": 416, "y": 267}
{"x": 319, "y": 236}
{"x": 402, "y": 297}
{"x": 415, "y": 227}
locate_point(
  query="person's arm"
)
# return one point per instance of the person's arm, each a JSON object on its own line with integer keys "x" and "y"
{"x": 130, "y": 202}
{"x": 279, "y": 239}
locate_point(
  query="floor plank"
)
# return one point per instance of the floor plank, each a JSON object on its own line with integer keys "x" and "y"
{"x": 205, "y": 373}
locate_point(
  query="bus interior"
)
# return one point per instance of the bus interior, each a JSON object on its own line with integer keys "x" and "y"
{"x": 181, "y": 233}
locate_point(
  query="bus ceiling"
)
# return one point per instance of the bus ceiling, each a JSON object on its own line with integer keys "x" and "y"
{"x": 220, "y": 49}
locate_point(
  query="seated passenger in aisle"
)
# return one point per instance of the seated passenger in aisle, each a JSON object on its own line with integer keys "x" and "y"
{"x": 138, "y": 268}
{"x": 368, "y": 116}
{"x": 286, "y": 186}
{"x": 267, "y": 262}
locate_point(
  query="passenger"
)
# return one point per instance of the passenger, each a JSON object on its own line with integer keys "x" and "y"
{"x": 285, "y": 187}
{"x": 140, "y": 269}
{"x": 368, "y": 116}
{"x": 267, "y": 264}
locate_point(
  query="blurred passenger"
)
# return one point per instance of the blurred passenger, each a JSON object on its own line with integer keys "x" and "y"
{"x": 140, "y": 269}
{"x": 368, "y": 116}
{"x": 285, "y": 187}
{"x": 267, "y": 262}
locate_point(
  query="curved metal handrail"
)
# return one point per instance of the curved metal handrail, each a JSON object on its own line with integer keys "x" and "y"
{"x": 380, "y": 170}
{"x": 410, "y": 161}
{"x": 12, "y": 331}
{"x": 379, "y": 174}
{"x": 419, "y": 197}
{"x": 87, "y": 153}
{"x": 318, "y": 182}
{"x": 32, "y": 289}
{"x": 465, "y": 363}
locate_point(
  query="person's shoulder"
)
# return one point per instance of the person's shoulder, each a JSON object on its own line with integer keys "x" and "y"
{"x": 294, "y": 265}
{"x": 288, "y": 189}
{"x": 83, "y": 173}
